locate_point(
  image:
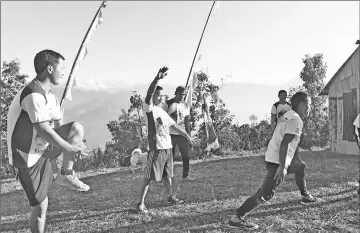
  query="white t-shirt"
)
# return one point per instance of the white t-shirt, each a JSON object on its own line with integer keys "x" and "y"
{"x": 178, "y": 112}
{"x": 30, "y": 105}
{"x": 281, "y": 108}
{"x": 290, "y": 123}
{"x": 158, "y": 123}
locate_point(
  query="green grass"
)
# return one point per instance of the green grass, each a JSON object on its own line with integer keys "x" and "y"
{"x": 221, "y": 186}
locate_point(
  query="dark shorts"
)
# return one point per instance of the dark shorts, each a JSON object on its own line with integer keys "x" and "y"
{"x": 159, "y": 164}
{"x": 36, "y": 180}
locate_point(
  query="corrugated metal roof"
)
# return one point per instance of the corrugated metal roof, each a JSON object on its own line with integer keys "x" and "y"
{"x": 325, "y": 91}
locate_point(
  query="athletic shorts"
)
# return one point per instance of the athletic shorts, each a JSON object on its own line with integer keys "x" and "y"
{"x": 159, "y": 164}
{"x": 36, "y": 180}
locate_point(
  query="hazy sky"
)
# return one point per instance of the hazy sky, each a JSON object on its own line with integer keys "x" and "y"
{"x": 254, "y": 42}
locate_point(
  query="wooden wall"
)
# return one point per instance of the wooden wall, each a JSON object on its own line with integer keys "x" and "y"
{"x": 347, "y": 80}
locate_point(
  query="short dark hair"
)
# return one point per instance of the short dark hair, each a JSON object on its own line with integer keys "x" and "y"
{"x": 159, "y": 88}
{"x": 179, "y": 89}
{"x": 282, "y": 91}
{"x": 298, "y": 98}
{"x": 44, "y": 58}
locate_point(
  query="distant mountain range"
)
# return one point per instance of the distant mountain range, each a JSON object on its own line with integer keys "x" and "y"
{"x": 94, "y": 108}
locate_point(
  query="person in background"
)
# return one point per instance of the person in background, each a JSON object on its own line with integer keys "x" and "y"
{"x": 179, "y": 111}
{"x": 279, "y": 108}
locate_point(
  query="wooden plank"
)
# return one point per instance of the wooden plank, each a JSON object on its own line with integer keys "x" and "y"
{"x": 339, "y": 124}
{"x": 333, "y": 121}
{"x": 345, "y": 116}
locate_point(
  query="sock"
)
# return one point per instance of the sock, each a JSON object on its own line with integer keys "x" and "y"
{"x": 304, "y": 193}
{"x": 64, "y": 171}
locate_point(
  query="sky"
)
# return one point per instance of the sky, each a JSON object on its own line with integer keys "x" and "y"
{"x": 247, "y": 41}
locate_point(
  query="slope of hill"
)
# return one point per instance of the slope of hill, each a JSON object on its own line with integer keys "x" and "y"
{"x": 95, "y": 108}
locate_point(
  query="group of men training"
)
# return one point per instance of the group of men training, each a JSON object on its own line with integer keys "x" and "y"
{"x": 37, "y": 138}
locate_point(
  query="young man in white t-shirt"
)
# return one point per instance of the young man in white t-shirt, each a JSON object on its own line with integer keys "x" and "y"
{"x": 179, "y": 111}
{"x": 357, "y": 136}
{"x": 36, "y": 135}
{"x": 281, "y": 158}
{"x": 159, "y": 164}
{"x": 279, "y": 108}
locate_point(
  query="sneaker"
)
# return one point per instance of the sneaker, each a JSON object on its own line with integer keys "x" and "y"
{"x": 308, "y": 199}
{"x": 188, "y": 178}
{"x": 71, "y": 181}
{"x": 141, "y": 208}
{"x": 173, "y": 200}
{"x": 242, "y": 223}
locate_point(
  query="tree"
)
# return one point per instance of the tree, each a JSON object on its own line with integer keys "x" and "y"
{"x": 127, "y": 133}
{"x": 124, "y": 133}
{"x": 253, "y": 119}
{"x": 11, "y": 82}
{"x": 243, "y": 131}
{"x": 221, "y": 117}
{"x": 316, "y": 128}
{"x": 136, "y": 105}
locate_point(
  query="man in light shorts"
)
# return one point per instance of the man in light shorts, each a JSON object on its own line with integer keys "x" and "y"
{"x": 159, "y": 164}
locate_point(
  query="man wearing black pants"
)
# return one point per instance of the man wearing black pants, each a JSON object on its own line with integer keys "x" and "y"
{"x": 281, "y": 158}
{"x": 179, "y": 111}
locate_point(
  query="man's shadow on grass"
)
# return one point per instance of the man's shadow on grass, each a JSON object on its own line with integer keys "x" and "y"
{"x": 65, "y": 217}
{"x": 289, "y": 185}
{"x": 179, "y": 222}
{"x": 219, "y": 217}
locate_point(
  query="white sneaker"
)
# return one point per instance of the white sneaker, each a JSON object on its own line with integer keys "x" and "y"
{"x": 141, "y": 208}
{"x": 309, "y": 199}
{"x": 72, "y": 182}
{"x": 188, "y": 178}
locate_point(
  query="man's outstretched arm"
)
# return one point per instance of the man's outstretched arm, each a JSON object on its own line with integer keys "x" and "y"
{"x": 183, "y": 133}
{"x": 160, "y": 75}
{"x": 273, "y": 117}
{"x": 187, "y": 125}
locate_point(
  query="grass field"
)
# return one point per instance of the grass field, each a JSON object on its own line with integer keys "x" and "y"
{"x": 221, "y": 186}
